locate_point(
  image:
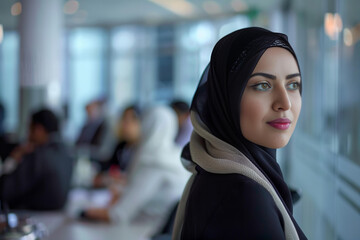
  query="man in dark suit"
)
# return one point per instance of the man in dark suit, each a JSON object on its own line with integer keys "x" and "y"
{"x": 37, "y": 175}
{"x": 6, "y": 143}
{"x": 92, "y": 133}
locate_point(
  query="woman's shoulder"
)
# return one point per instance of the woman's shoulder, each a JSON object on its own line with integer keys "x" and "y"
{"x": 234, "y": 185}
{"x": 228, "y": 205}
{"x": 232, "y": 193}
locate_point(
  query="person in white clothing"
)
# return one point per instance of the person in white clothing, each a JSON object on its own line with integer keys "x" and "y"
{"x": 156, "y": 177}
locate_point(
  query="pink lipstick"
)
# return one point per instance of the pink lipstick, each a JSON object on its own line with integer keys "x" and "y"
{"x": 280, "y": 123}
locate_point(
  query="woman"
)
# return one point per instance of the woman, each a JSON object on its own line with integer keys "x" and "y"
{"x": 246, "y": 106}
{"x": 129, "y": 134}
{"x": 155, "y": 177}
{"x": 114, "y": 169}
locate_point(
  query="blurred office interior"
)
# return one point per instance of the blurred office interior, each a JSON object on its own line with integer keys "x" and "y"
{"x": 64, "y": 54}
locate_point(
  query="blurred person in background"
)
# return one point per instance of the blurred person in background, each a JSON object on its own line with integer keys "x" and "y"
{"x": 246, "y": 106}
{"x": 115, "y": 168}
{"x": 185, "y": 127}
{"x": 94, "y": 128}
{"x": 156, "y": 177}
{"x": 6, "y": 143}
{"x": 37, "y": 174}
{"x": 96, "y": 139}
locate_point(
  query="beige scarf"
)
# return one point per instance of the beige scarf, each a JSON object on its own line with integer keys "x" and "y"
{"x": 217, "y": 156}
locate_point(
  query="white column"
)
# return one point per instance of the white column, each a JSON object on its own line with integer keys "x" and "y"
{"x": 41, "y": 56}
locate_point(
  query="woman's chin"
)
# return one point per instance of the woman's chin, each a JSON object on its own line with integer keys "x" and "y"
{"x": 274, "y": 143}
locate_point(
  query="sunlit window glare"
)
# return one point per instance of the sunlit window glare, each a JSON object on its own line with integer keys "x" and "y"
{"x": 333, "y": 25}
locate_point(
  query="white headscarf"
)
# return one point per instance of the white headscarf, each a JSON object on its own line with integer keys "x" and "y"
{"x": 157, "y": 147}
{"x": 156, "y": 174}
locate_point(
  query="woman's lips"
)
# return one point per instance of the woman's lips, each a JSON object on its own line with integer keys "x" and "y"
{"x": 280, "y": 123}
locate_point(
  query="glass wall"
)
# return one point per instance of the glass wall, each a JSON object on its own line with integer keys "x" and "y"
{"x": 194, "y": 43}
{"x": 86, "y": 72}
{"x": 132, "y": 67}
{"x": 324, "y": 153}
{"x": 9, "y": 66}
{"x": 349, "y": 81}
{"x": 137, "y": 63}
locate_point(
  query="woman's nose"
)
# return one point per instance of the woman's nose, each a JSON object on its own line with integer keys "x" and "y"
{"x": 282, "y": 100}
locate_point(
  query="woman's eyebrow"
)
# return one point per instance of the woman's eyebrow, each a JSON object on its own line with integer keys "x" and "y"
{"x": 273, "y": 77}
{"x": 267, "y": 75}
{"x": 293, "y": 75}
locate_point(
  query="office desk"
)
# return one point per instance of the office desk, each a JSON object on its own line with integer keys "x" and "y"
{"x": 61, "y": 227}
{"x": 64, "y": 225}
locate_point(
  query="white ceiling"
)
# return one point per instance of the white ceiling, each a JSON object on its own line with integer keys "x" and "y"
{"x": 114, "y": 12}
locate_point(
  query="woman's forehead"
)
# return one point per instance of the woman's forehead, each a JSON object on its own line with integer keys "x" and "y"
{"x": 275, "y": 59}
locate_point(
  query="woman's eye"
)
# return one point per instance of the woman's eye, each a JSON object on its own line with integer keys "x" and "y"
{"x": 262, "y": 86}
{"x": 294, "y": 86}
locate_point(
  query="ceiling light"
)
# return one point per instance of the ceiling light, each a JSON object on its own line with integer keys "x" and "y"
{"x": 348, "y": 37}
{"x": 211, "y": 7}
{"x": 333, "y": 25}
{"x": 71, "y": 7}
{"x": 1, "y": 33}
{"x": 179, "y": 7}
{"x": 338, "y": 22}
{"x": 16, "y": 9}
{"x": 239, "y": 5}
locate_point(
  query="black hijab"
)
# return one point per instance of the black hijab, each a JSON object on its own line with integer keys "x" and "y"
{"x": 217, "y": 98}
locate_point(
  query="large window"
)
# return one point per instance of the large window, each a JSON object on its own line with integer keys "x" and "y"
{"x": 194, "y": 43}
{"x": 86, "y": 77}
{"x": 132, "y": 73}
{"x": 9, "y": 66}
{"x": 125, "y": 64}
{"x": 324, "y": 154}
{"x": 349, "y": 82}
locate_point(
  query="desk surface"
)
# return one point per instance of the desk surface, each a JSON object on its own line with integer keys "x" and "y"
{"x": 64, "y": 225}
{"x": 61, "y": 227}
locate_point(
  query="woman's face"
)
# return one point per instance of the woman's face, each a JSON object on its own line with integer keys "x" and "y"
{"x": 271, "y": 102}
{"x": 130, "y": 126}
